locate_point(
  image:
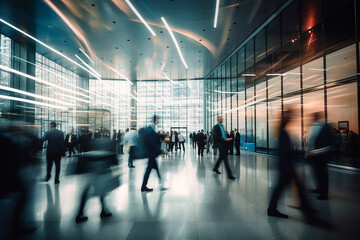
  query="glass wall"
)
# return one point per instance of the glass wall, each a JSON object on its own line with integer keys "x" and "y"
{"x": 177, "y": 104}
{"x": 304, "y": 59}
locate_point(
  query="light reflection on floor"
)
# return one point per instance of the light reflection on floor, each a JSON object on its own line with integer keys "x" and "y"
{"x": 198, "y": 205}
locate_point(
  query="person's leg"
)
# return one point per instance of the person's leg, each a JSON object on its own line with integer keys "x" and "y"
{"x": 217, "y": 164}
{"x": 223, "y": 155}
{"x": 57, "y": 160}
{"x": 316, "y": 170}
{"x": 202, "y": 149}
{"x": 69, "y": 150}
{"x": 323, "y": 177}
{"x": 147, "y": 174}
{"x": 49, "y": 163}
{"x": 104, "y": 210}
{"x": 81, "y": 217}
{"x": 272, "y": 208}
{"x": 156, "y": 167}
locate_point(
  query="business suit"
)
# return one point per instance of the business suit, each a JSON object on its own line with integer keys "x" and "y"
{"x": 221, "y": 144}
{"x": 54, "y": 151}
{"x": 237, "y": 143}
{"x": 231, "y": 144}
{"x": 153, "y": 149}
{"x": 70, "y": 144}
{"x": 200, "y": 139}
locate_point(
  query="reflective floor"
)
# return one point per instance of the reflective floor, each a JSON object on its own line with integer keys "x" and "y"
{"x": 199, "y": 204}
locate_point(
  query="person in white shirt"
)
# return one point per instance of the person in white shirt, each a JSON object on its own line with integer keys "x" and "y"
{"x": 131, "y": 141}
{"x": 181, "y": 141}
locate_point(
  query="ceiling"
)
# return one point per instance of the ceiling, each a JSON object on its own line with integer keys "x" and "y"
{"x": 112, "y": 35}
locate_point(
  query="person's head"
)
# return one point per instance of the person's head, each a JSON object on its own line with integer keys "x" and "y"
{"x": 219, "y": 119}
{"x": 202, "y": 130}
{"x": 154, "y": 120}
{"x": 286, "y": 118}
{"x": 133, "y": 125}
{"x": 317, "y": 116}
{"x": 52, "y": 124}
{"x": 235, "y": 130}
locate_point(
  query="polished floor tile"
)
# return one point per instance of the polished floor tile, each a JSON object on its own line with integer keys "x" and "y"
{"x": 198, "y": 204}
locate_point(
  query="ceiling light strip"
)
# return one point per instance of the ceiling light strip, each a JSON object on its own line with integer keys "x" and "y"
{"x": 72, "y": 97}
{"x": 120, "y": 74}
{"x": 31, "y": 102}
{"x": 10, "y": 70}
{"x": 98, "y": 76}
{"x": 86, "y": 55}
{"x": 140, "y": 17}
{"x": 44, "y": 44}
{"x": 33, "y": 95}
{"x": 175, "y": 42}
{"x": 216, "y": 12}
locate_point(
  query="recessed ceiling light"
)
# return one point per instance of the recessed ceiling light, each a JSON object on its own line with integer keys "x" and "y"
{"x": 114, "y": 22}
{"x": 174, "y": 40}
{"x": 140, "y": 17}
{"x": 93, "y": 5}
{"x": 149, "y": 38}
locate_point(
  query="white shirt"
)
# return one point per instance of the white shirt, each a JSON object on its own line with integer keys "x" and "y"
{"x": 181, "y": 138}
{"x": 70, "y": 138}
{"x": 131, "y": 138}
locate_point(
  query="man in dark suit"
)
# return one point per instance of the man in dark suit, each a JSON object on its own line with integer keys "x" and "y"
{"x": 231, "y": 143}
{"x": 221, "y": 142}
{"x": 153, "y": 149}
{"x": 55, "y": 149}
{"x": 237, "y": 141}
{"x": 200, "y": 139}
{"x": 70, "y": 142}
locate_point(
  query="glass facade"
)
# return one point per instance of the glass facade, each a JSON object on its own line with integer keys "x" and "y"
{"x": 178, "y": 104}
{"x": 304, "y": 59}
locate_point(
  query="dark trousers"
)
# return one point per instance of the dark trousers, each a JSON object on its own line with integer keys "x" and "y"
{"x": 231, "y": 147}
{"x": 194, "y": 144}
{"x": 285, "y": 178}
{"x": 151, "y": 164}
{"x": 321, "y": 174}
{"x": 183, "y": 146}
{"x": 84, "y": 198}
{"x": 201, "y": 147}
{"x": 237, "y": 147}
{"x": 131, "y": 155}
{"x": 71, "y": 150}
{"x": 121, "y": 149}
{"x": 50, "y": 158}
{"x": 172, "y": 144}
{"x": 223, "y": 157}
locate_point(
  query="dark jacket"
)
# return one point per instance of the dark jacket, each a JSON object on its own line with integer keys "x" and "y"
{"x": 153, "y": 143}
{"x": 237, "y": 137}
{"x": 219, "y": 141}
{"x": 286, "y": 152}
{"x": 73, "y": 140}
{"x": 200, "y": 138}
{"x": 55, "y": 140}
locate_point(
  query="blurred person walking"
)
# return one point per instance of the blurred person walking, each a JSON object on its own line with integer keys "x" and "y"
{"x": 200, "y": 139}
{"x": 231, "y": 143}
{"x": 287, "y": 172}
{"x": 221, "y": 142}
{"x": 130, "y": 142}
{"x": 319, "y": 151}
{"x": 153, "y": 150}
{"x": 70, "y": 142}
{"x": 55, "y": 149}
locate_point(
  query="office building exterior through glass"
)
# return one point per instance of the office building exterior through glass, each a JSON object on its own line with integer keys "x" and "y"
{"x": 306, "y": 58}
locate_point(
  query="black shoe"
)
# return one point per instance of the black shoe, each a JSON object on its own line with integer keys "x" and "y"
{"x": 231, "y": 177}
{"x": 276, "y": 213}
{"x": 322, "y": 197}
{"x": 104, "y": 214}
{"x": 131, "y": 166}
{"x": 216, "y": 171}
{"x": 46, "y": 179}
{"x": 57, "y": 181}
{"x": 81, "y": 218}
{"x": 202, "y": 155}
{"x": 146, "y": 189}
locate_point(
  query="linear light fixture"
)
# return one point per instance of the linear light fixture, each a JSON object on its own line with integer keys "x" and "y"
{"x": 9, "y": 89}
{"x": 140, "y": 17}
{"x": 86, "y": 55}
{"x": 31, "y": 102}
{"x": 120, "y": 75}
{"x": 216, "y": 12}
{"x": 275, "y": 74}
{"x": 248, "y": 75}
{"x": 175, "y": 42}
{"x": 226, "y": 92}
{"x": 97, "y": 75}
{"x": 10, "y": 70}
{"x": 45, "y": 45}
{"x": 47, "y": 70}
{"x": 72, "y": 97}
{"x": 165, "y": 76}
